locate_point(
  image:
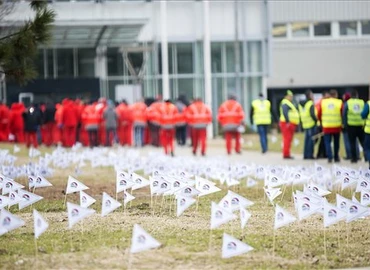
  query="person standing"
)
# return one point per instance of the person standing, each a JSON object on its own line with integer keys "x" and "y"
{"x": 330, "y": 116}
{"x": 16, "y": 122}
{"x": 70, "y": 121}
{"x": 139, "y": 121}
{"x": 289, "y": 120}
{"x": 365, "y": 114}
{"x": 90, "y": 120}
{"x": 231, "y": 116}
{"x": 181, "y": 105}
{"x": 198, "y": 116}
{"x": 110, "y": 118}
{"x": 124, "y": 123}
{"x": 32, "y": 120}
{"x": 353, "y": 123}
{"x": 168, "y": 119}
{"x": 261, "y": 117}
{"x": 4, "y": 122}
{"x": 48, "y": 124}
{"x": 153, "y": 114}
{"x": 307, "y": 113}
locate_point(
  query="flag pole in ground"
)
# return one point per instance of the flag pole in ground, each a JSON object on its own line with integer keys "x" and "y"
{"x": 132, "y": 192}
{"x": 197, "y": 204}
{"x": 282, "y": 195}
{"x": 326, "y": 258}
{"x": 273, "y": 244}
{"x": 347, "y": 229}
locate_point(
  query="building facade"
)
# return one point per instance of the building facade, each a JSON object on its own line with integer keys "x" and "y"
{"x": 320, "y": 45}
{"x": 135, "y": 49}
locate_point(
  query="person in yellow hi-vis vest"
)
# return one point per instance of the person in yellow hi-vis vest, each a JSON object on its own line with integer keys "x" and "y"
{"x": 353, "y": 122}
{"x": 307, "y": 113}
{"x": 365, "y": 114}
{"x": 289, "y": 120}
{"x": 330, "y": 115}
{"x": 261, "y": 117}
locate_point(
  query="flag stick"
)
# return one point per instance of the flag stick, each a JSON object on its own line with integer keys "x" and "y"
{"x": 169, "y": 212}
{"x": 151, "y": 201}
{"x": 273, "y": 244}
{"x": 129, "y": 261}
{"x": 347, "y": 229}
{"x": 282, "y": 195}
{"x": 132, "y": 192}
{"x": 36, "y": 251}
{"x": 325, "y": 244}
{"x": 65, "y": 199}
{"x": 338, "y": 237}
{"x": 209, "y": 242}
{"x": 196, "y": 208}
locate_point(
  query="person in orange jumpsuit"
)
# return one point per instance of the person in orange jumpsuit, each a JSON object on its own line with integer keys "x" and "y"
{"x": 230, "y": 116}
{"x": 48, "y": 126}
{"x": 100, "y": 108}
{"x": 90, "y": 119}
{"x": 168, "y": 120}
{"x": 16, "y": 124}
{"x": 153, "y": 116}
{"x": 139, "y": 121}
{"x": 198, "y": 116}
{"x": 4, "y": 122}
{"x": 58, "y": 135}
{"x": 124, "y": 123}
{"x": 70, "y": 121}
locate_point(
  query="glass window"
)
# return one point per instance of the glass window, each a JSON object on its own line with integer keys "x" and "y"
{"x": 230, "y": 57}
{"x": 300, "y": 29}
{"x": 86, "y": 62}
{"x": 231, "y": 86}
{"x": 322, "y": 29}
{"x": 216, "y": 63}
{"x": 40, "y": 63}
{"x": 185, "y": 58}
{"x": 348, "y": 28}
{"x": 186, "y": 87}
{"x": 170, "y": 60}
{"x": 136, "y": 60}
{"x": 255, "y": 56}
{"x": 114, "y": 62}
{"x": 279, "y": 30}
{"x": 50, "y": 63}
{"x": 365, "y": 27}
{"x": 65, "y": 62}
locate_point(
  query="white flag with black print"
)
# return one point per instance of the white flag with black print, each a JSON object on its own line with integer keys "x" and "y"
{"x": 86, "y": 200}
{"x": 282, "y": 217}
{"x": 332, "y": 214}
{"x": 142, "y": 241}
{"x": 10, "y": 185}
{"x": 139, "y": 181}
{"x": 40, "y": 181}
{"x": 127, "y": 197}
{"x": 244, "y": 217}
{"x": 77, "y": 213}
{"x": 220, "y": 215}
{"x": 27, "y": 198}
{"x": 74, "y": 185}
{"x": 39, "y": 223}
{"x": 9, "y": 222}
{"x": 233, "y": 247}
{"x": 183, "y": 203}
{"x": 108, "y": 204}
{"x": 272, "y": 193}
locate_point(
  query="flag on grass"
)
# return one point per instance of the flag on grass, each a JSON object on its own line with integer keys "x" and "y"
{"x": 74, "y": 185}
{"x": 77, "y": 213}
{"x": 233, "y": 247}
{"x": 282, "y": 217}
{"x": 39, "y": 223}
{"x": 86, "y": 200}
{"x": 183, "y": 203}
{"x": 108, "y": 204}
{"x": 141, "y": 240}
{"x": 220, "y": 215}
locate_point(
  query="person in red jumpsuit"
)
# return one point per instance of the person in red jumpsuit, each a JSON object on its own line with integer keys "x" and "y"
{"x": 4, "y": 122}
{"x": 69, "y": 120}
{"x": 16, "y": 123}
{"x": 124, "y": 123}
{"x": 168, "y": 119}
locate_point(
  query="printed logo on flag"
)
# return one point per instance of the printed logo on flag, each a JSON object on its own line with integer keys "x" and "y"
{"x": 155, "y": 183}
{"x": 123, "y": 183}
{"x": 30, "y": 180}
{"x": 182, "y": 202}
{"x": 108, "y": 203}
{"x": 38, "y": 180}
{"x": 315, "y": 189}
{"x": 363, "y": 184}
{"x": 7, "y": 221}
{"x": 141, "y": 239}
{"x": 343, "y": 205}
{"x": 332, "y": 213}
{"x": 84, "y": 199}
{"x": 138, "y": 181}
{"x": 176, "y": 184}
{"x": 306, "y": 207}
{"x": 187, "y": 190}
{"x": 164, "y": 185}
{"x": 74, "y": 213}
{"x": 74, "y": 185}
{"x": 365, "y": 197}
{"x": 231, "y": 246}
{"x": 297, "y": 176}
{"x": 39, "y": 222}
{"x": 234, "y": 201}
{"x": 353, "y": 209}
{"x": 218, "y": 214}
{"x": 26, "y": 197}
{"x": 226, "y": 204}
{"x": 280, "y": 216}
{"x": 346, "y": 180}
{"x": 274, "y": 179}
{"x": 206, "y": 187}
{"x": 8, "y": 185}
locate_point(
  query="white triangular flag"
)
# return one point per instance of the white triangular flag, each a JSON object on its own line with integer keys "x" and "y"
{"x": 282, "y": 217}
{"x": 188, "y": 191}
{"x": 332, "y": 214}
{"x": 77, "y": 213}
{"x": 74, "y": 185}
{"x": 41, "y": 182}
{"x": 33, "y": 152}
{"x": 9, "y": 222}
{"x": 123, "y": 182}
{"x": 86, "y": 200}
{"x": 108, "y": 204}
{"x": 27, "y": 198}
{"x": 354, "y": 210}
{"x": 306, "y": 208}
{"x": 274, "y": 181}
{"x": 318, "y": 190}
{"x": 206, "y": 189}
{"x": 16, "y": 149}
{"x": 362, "y": 184}
{"x": 233, "y": 201}
{"x": 233, "y": 247}
{"x": 244, "y": 216}
{"x": 14, "y": 198}
{"x": 39, "y": 223}
{"x": 220, "y": 215}
{"x": 183, "y": 203}
{"x": 159, "y": 185}
{"x": 10, "y": 185}
{"x": 231, "y": 182}
{"x": 3, "y": 201}
{"x": 141, "y": 240}
{"x": 127, "y": 197}
{"x": 140, "y": 181}
{"x": 365, "y": 198}
{"x": 31, "y": 181}
{"x": 272, "y": 193}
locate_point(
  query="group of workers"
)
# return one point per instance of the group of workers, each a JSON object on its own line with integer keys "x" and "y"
{"x": 327, "y": 119}
{"x": 161, "y": 121}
